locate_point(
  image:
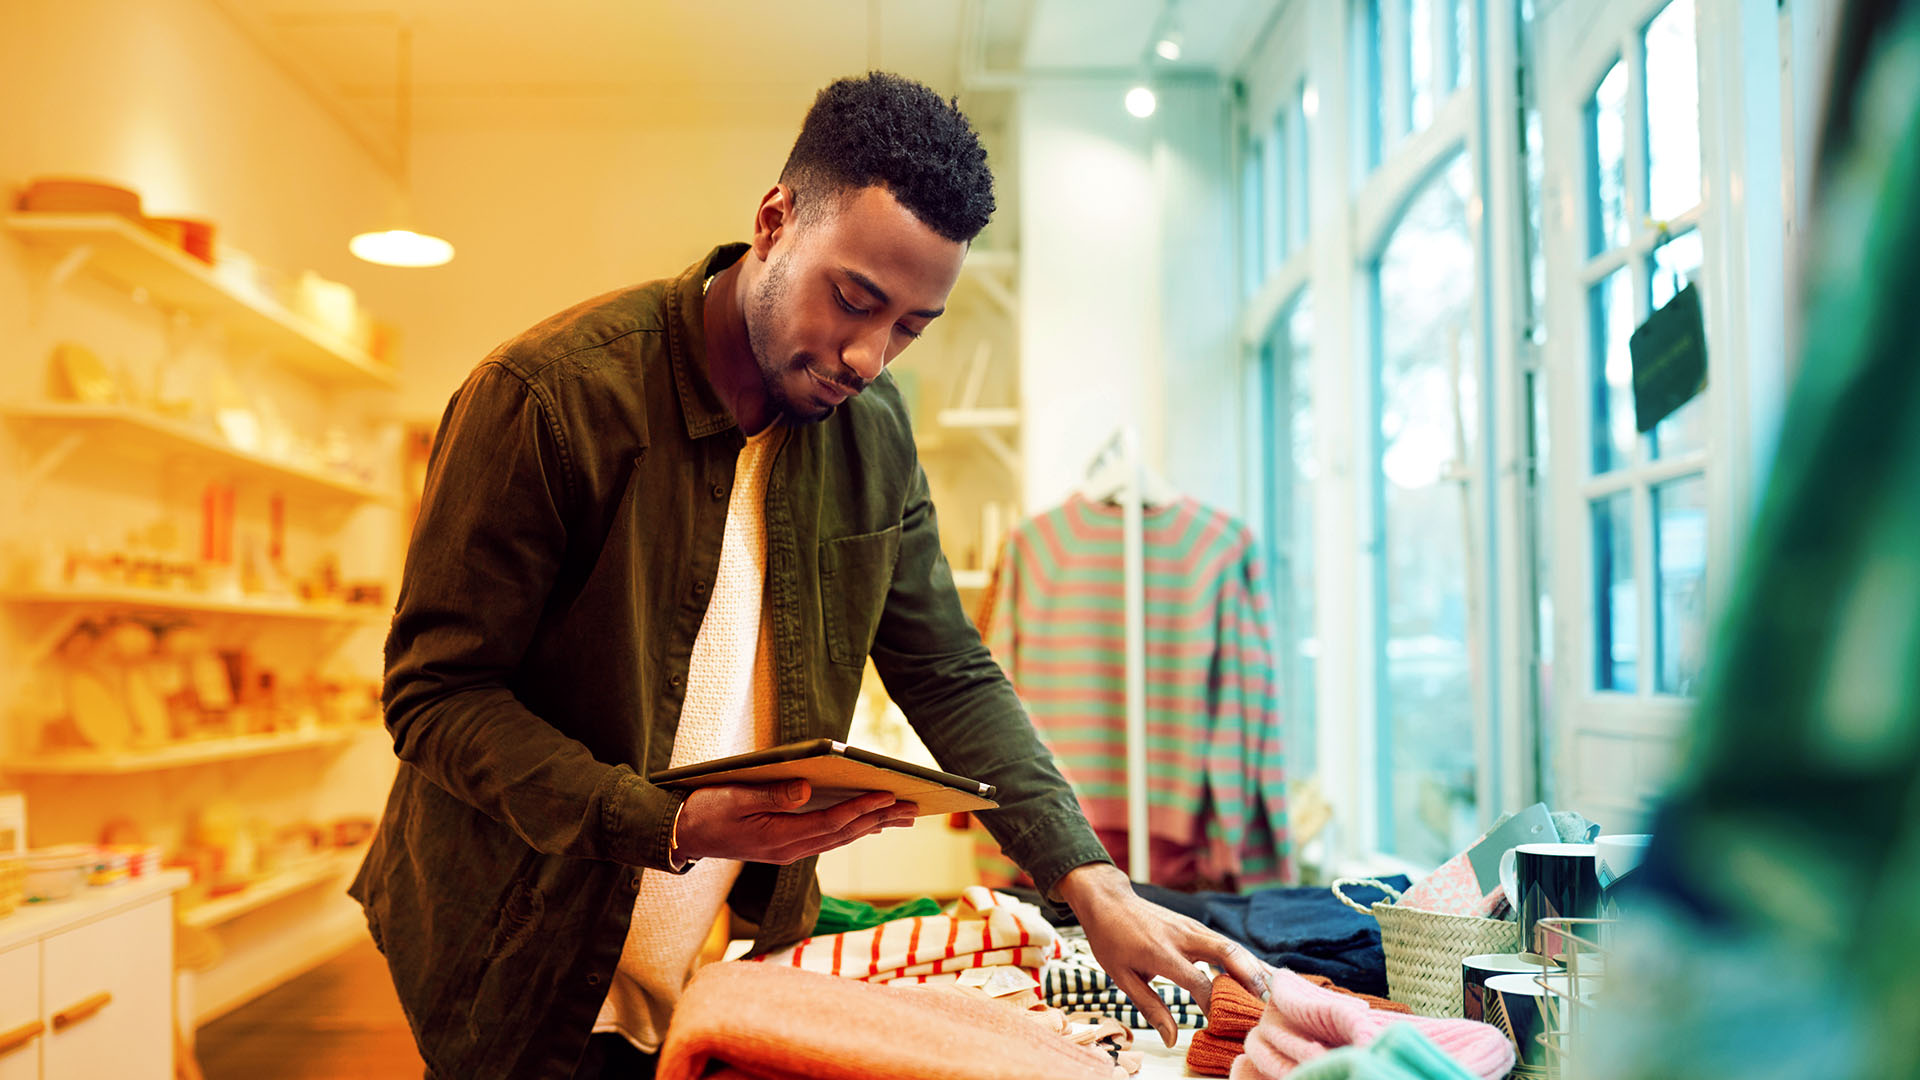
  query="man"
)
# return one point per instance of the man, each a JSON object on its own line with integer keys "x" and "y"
{"x": 670, "y": 524}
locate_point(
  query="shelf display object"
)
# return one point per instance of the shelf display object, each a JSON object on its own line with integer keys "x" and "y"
{"x": 197, "y": 562}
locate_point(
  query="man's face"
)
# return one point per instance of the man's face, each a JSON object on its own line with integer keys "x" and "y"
{"x": 843, "y": 293}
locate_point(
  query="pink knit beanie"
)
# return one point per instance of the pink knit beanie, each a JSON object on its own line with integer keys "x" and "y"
{"x": 1303, "y": 1021}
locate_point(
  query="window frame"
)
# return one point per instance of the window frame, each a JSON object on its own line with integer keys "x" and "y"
{"x": 1614, "y": 750}
{"x": 1363, "y": 178}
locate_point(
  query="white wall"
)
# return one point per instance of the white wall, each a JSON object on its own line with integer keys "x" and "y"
{"x": 542, "y": 219}
{"x": 1127, "y": 290}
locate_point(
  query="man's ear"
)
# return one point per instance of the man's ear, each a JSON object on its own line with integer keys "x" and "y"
{"x": 772, "y": 220}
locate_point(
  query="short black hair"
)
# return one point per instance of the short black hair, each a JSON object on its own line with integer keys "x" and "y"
{"x": 884, "y": 129}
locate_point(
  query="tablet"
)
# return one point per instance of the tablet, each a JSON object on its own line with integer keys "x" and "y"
{"x": 838, "y": 772}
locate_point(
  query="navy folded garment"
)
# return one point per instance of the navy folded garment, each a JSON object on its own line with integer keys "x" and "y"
{"x": 1303, "y": 927}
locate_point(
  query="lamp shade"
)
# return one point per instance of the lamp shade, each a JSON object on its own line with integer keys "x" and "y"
{"x": 401, "y": 247}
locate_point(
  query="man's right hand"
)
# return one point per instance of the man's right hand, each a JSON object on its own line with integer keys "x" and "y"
{"x": 760, "y": 822}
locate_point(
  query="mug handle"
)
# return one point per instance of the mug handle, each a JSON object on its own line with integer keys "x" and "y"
{"x": 1510, "y": 879}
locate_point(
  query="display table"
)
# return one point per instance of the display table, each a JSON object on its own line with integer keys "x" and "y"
{"x": 1158, "y": 1062}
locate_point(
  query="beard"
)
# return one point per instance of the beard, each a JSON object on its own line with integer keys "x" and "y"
{"x": 763, "y": 313}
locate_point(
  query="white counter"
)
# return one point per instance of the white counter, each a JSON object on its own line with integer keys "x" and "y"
{"x": 34, "y": 921}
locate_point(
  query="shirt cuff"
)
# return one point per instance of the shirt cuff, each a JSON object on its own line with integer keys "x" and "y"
{"x": 638, "y": 819}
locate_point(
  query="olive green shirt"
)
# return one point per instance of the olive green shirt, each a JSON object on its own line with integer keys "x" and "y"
{"x": 568, "y": 537}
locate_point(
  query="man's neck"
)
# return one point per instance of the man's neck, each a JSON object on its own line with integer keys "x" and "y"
{"x": 730, "y": 362}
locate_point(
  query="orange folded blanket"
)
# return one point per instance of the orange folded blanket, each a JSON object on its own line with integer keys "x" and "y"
{"x": 773, "y": 1023}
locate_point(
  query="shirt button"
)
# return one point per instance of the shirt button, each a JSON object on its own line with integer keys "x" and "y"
{"x": 593, "y": 980}
{"x": 719, "y": 491}
{"x": 699, "y": 588}
{"x": 673, "y": 681}
{"x": 636, "y": 881}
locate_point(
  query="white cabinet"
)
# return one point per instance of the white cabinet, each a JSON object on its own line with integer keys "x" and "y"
{"x": 22, "y": 1030}
{"x": 107, "y": 992}
{"x": 86, "y": 986}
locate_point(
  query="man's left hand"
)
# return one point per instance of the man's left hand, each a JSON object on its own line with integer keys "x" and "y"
{"x": 1134, "y": 940}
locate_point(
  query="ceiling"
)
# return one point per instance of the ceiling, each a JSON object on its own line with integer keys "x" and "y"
{"x": 501, "y": 63}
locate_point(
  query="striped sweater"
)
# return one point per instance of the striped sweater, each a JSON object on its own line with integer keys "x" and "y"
{"x": 1057, "y": 625}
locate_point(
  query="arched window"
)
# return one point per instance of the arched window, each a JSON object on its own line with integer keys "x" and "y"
{"x": 1428, "y": 483}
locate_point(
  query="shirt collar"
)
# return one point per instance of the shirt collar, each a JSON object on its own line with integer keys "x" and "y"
{"x": 700, "y": 403}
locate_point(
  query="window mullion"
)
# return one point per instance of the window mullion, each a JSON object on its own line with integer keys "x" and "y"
{"x": 1646, "y": 657}
{"x": 1396, "y": 73}
{"x": 1637, "y": 186}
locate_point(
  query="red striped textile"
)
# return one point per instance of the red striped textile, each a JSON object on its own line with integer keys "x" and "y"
{"x": 933, "y": 948}
{"x": 1215, "y": 763}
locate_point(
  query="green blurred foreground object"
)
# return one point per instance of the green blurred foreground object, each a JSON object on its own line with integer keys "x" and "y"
{"x": 838, "y": 916}
{"x": 1783, "y": 885}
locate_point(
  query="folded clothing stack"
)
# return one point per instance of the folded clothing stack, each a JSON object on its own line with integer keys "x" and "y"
{"x": 1301, "y": 928}
{"x": 981, "y": 929}
{"x": 1077, "y": 983}
{"x": 1303, "y": 1022}
{"x": 771, "y": 1023}
{"x": 1232, "y": 1013}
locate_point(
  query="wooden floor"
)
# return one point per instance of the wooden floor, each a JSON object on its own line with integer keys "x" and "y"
{"x": 339, "y": 1021}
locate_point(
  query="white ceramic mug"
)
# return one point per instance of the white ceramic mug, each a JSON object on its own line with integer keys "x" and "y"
{"x": 1476, "y": 970}
{"x": 1614, "y": 858}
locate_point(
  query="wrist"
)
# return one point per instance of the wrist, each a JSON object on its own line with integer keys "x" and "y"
{"x": 677, "y": 860}
{"x": 1089, "y": 882}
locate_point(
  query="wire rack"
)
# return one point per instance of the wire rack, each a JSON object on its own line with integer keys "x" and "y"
{"x": 1568, "y": 1002}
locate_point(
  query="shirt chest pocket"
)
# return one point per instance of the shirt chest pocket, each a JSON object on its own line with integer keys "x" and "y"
{"x": 855, "y": 574}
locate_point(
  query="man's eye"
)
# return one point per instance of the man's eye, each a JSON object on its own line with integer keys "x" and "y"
{"x": 841, "y": 298}
{"x": 912, "y": 334}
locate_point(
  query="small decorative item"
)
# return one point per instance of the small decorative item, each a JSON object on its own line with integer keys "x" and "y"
{"x": 78, "y": 374}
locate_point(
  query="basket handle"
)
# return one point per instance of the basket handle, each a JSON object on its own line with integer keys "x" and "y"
{"x": 1340, "y": 883}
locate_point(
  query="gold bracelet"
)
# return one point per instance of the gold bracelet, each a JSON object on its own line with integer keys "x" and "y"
{"x": 674, "y": 862}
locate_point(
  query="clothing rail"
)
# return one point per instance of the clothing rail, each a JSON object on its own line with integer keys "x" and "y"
{"x": 1117, "y": 466}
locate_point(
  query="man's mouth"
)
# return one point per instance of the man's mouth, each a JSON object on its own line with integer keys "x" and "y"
{"x": 835, "y": 392}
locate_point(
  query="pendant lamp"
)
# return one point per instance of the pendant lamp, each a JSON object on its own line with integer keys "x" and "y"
{"x": 400, "y": 245}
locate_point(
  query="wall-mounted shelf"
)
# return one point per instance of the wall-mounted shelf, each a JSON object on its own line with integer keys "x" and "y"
{"x": 158, "y": 600}
{"x": 979, "y": 418}
{"x": 123, "y": 252}
{"x": 992, "y": 272}
{"x": 134, "y": 431}
{"x": 301, "y": 876}
{"x": 178, "y": 755}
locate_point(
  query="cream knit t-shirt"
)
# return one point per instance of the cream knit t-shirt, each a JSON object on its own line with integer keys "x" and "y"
{"x": 729, "y": 709}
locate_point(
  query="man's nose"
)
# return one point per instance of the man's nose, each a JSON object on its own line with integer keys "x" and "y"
{"x": 866, "y": 354}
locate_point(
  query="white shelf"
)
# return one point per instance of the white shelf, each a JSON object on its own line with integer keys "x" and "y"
{"x": 978, "y": 418}
{"x": 299, "y": 877}
{"x": 1000, "y": 260}
{"x": 971, "y": 579}
{"x": 179, "y": 755}
{"x": 122, "y": 251}
{"x": 161, "y": 600}
{"x": 134, "y": 430}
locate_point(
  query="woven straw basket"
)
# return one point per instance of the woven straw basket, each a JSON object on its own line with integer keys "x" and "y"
{"x": 1424, "y": 948}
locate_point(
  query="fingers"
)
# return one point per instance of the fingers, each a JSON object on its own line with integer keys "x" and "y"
{"x": 1234, "y": 959}
{"x": 1190, "y": 977}
{"x": 864, "y": 825}
{"x": 839, "y": 818}
{"x": 1147, "y": 1002}
{"x": 776, "y": 798}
